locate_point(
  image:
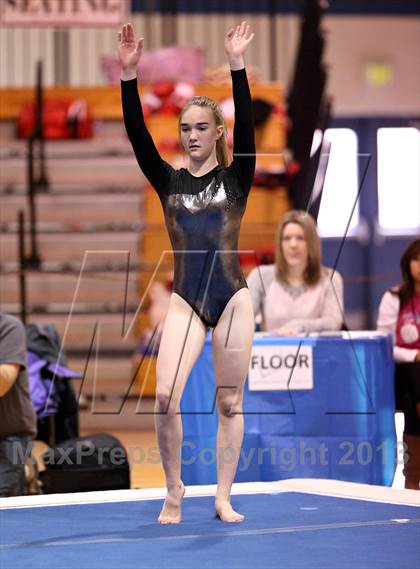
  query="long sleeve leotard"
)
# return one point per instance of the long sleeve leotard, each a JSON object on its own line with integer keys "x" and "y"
{"x": 202, "y": 213}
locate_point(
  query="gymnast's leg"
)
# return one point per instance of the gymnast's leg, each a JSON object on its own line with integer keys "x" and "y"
{"x": 232, "y": 344}
{"x": 182, "y": 339}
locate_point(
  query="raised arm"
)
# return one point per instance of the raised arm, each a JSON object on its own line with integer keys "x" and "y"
{"x": 236, "y": 42}
{"x": 154, "y": 168}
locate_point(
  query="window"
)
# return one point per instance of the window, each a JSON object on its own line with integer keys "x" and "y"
{"x": 398, "y": 180}
{"x": 341, "y": 184}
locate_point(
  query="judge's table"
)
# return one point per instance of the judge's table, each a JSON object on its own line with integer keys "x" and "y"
{"x": 315, "y": 406}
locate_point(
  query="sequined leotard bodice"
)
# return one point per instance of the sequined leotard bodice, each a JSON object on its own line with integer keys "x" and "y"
{"x": 202, "y": 214}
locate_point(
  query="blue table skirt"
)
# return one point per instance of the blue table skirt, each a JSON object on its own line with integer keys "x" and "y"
{"x": 343, "y": 428}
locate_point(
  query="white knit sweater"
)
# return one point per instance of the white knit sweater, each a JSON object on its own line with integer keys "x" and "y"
{"x": 318, "y": 308}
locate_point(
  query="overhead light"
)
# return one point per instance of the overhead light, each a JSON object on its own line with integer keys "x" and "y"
{"x": 378, "y": 74}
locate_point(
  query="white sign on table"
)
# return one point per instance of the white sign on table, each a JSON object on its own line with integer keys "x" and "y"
{"x": 280, "y": 368}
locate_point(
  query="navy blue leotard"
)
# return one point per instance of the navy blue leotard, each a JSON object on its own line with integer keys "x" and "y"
{"x": 202, "y": 213}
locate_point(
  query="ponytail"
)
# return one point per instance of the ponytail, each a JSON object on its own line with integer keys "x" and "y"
{"x": 222, "y": 151}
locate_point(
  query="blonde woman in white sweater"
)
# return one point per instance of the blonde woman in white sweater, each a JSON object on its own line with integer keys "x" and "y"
{"x": 297, "y": 294}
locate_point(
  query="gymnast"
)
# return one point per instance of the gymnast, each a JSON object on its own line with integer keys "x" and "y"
{"x": 203, "y": 205}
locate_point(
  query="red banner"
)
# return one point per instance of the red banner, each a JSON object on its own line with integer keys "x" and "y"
{"x": 66, "y": 13}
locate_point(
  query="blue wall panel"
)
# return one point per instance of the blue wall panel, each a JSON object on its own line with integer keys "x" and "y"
{"x": 375, "y": 263}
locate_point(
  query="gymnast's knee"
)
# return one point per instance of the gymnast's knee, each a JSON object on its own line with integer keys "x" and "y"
{"x": 229, "y": 403}
{"x": 166, "y": 402}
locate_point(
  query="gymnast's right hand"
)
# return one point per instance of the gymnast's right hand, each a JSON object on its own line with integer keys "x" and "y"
{"x": 129, "y": 51}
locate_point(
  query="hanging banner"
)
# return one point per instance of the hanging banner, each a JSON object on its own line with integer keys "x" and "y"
{"x": 280, "y": 368}
{"x": 65, "y": 13}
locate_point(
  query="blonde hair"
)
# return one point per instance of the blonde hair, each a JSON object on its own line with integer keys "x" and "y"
{"x": 313, "y": 269}
{"x": 222, "y": 150}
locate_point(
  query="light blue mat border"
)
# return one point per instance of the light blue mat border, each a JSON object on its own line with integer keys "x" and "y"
{"x": 321, "y": 487}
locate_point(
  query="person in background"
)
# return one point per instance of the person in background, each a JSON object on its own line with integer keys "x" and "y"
{"x": 399, "y": 315}
{"x": 17, "y": 414}
{"x": 297, "y": 294}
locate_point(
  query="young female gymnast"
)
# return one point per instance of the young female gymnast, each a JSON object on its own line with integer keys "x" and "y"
{"x": 203, "y": 206}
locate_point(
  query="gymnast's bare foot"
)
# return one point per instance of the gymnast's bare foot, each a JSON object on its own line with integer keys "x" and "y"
{"x": 225, "y": 511}
{"x": 171, "y": 511}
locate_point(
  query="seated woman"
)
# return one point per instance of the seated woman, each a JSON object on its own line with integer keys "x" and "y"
{"x": 399, "y": 315}
{"x": 297, "y": 294}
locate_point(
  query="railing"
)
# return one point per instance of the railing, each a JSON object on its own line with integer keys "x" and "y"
{"x": 22, "y": 274}
{"x": 37, "y": 180}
